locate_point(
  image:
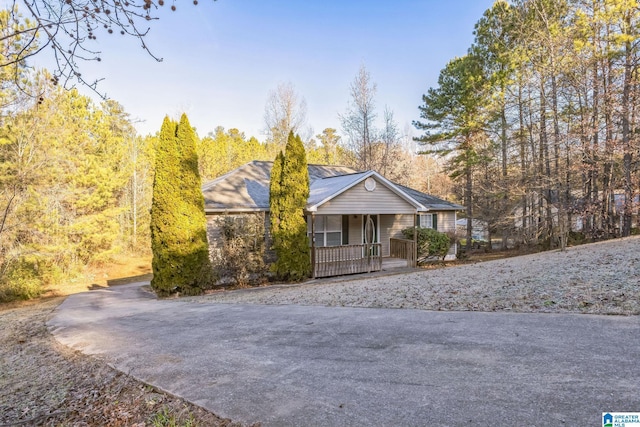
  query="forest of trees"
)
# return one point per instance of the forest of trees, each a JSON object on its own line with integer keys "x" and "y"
{"x": 539, "y": 121}
{"x": 74, "y": 188}
{"x": 537, "y": 127}
{"x": 76, "y": 179}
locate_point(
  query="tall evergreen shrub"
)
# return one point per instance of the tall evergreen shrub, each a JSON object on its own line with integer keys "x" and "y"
{"x": 275, "y": 200}
{"x": 289, "y": 192}
{"x": 178, "y": 224}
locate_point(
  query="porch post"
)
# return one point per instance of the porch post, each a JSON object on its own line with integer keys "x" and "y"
{"x": 415, "y": 240}
{"x": 455, "y": 234}
{"x": 313, "y": 245}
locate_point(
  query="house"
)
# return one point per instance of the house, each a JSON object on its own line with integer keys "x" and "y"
{"x": 355, "y": 219}
{"x": 479, "y": 229}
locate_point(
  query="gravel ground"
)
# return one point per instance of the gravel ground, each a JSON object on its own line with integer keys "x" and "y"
{"x": 599, "y": 278}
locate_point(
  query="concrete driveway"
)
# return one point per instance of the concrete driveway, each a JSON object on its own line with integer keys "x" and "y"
{"x": 323, "y": 366}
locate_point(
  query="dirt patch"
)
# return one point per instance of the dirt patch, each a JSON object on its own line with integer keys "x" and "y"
{"x": 44, "y": 383}
{"x": 123, "y": 269}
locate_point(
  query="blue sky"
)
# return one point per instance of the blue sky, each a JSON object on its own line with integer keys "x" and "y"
{"x": 221, "y": 59}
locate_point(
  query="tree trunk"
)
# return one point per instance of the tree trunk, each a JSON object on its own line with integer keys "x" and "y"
{"x": 608, "y": 219}
{"x": 545, "y": 165}
{"x": 468, "y": 199}
{"x": 505, "y": 199}
{"x": 626, "y": 136}
{"x": 595, "y": 149}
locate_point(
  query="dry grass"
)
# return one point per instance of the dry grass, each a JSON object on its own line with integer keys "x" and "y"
{"x": 600, "y": 278}
{"x": 123, "y": 269}
{"x": 45, "y": 383}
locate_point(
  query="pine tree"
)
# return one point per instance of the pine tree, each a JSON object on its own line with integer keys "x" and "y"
{"x": 455, "y": 122}
{"x": 291, "y": 177}
{"x": 178, "y": 224}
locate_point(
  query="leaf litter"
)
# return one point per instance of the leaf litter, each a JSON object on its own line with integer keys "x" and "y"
{"x": 43, "y": 383}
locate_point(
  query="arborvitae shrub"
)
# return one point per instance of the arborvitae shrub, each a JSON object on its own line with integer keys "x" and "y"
{"x": 289, "y": 192}
{"x": 178, "y": 224}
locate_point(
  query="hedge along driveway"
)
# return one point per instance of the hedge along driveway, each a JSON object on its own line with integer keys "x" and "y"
{"x": 295, "y": 365}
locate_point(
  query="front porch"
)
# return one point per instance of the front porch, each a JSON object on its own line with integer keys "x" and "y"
{"x": 364, "y": 258}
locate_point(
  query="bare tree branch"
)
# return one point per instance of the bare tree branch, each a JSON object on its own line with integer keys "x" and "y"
{"x": 69, "y": 27}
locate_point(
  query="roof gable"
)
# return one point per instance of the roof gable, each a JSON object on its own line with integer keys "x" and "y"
{"x": 324, "y": 190}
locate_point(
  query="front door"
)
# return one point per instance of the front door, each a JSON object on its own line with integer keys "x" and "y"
{"x": 370, "y": 231}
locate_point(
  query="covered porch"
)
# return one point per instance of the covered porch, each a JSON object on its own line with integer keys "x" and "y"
{"x": 351, "y": 259}
{"x": 355, "y": 224}
{"x": 352, "y": 244}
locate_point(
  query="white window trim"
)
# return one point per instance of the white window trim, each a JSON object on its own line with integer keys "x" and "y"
{"x": 426, "y": 220}
{"x": 324, "y": 230}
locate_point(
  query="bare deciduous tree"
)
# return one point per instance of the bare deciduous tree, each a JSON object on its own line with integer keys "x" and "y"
{"x": 284, "y": 112}
{"x": 370, "y": 147}
{"x": 358, "y": 121}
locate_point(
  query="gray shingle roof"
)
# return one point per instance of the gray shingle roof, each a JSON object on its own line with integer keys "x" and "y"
{"x": 247, "y": 188}
{"x": 321, "y": 189}
{"x": 431, "y": 202}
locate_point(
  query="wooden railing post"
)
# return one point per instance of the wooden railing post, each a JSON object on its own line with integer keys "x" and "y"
{"x": 414, "y": 255}
{"x": 348, "y": 259}
{"x": 403, "y": 249}
{"x": 313, "y": 246}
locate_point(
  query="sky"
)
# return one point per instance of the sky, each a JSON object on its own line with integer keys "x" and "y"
{"x": 222, "y": 59}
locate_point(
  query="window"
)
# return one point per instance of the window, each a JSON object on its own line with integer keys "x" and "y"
{"x": 428, "y": 221}
{"x": 328, "y": 230}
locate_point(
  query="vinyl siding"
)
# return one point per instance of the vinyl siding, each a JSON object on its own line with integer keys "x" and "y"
{"x": 446, "y": 221}
{"x": 392, "y": 226}
{"x": 357, "y": 200}
{"x": 355, "y": 230}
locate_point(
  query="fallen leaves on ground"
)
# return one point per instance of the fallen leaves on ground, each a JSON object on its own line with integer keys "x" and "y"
{"x": 44, "y": 383}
